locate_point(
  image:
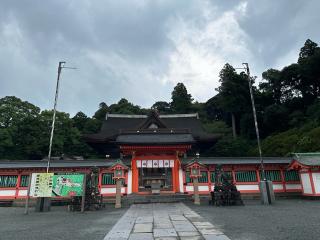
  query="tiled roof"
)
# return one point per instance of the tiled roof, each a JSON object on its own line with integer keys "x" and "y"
{"x": 115, "y": 123}
{"x": 308, "y": 159}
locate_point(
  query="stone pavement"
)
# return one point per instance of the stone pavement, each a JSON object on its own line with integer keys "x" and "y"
{"x": 163, "y": 221}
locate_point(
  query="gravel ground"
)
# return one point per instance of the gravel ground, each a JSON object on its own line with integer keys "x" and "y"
{"x": 57, "y": 224}
{"x": 293, "y": 219}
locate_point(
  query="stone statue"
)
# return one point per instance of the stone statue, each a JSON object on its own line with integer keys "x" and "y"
{"x": 225, "y": 192}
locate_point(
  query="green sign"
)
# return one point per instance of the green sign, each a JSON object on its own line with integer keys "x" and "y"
{"x": 67, "y": 185}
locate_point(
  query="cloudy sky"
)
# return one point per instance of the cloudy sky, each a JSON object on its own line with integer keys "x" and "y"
{"x": 140, "y": 49}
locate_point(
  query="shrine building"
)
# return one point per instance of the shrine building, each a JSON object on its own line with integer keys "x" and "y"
{"x": 156, "y": 149}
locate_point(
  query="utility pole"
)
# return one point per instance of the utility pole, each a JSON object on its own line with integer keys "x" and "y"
{"x": 246, "y": 67}
{"x": 61, "y": 65}
{"x": 44, "y": 203}
{"x": 266, "y": 187}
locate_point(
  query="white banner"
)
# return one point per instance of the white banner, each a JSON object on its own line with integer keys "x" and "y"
{"x": 149, "y": 164}
{"x": 138, "y": 163}
{"x": 171, "y": 163}
{"x": 144, "y": 163}
{"x": 155, "y": 163}
{"x": 160, "y": 163}
{"x": 166, "y": 163}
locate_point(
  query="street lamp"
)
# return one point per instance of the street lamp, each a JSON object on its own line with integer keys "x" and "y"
{"x": 266, "y": 188}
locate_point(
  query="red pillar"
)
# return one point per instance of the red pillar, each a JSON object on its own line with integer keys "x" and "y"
{"x": 135, "y": 176}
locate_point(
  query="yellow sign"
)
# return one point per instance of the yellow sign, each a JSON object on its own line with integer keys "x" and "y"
{"x": 41, "y": 185}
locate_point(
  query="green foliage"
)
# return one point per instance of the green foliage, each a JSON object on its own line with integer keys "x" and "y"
{"x": 162, "y": 107}
{"x": 287, "y": 103}
{"x": 230, "y": 147}
{"x": 217, "y": 127}
{"x": 181, "y": 99}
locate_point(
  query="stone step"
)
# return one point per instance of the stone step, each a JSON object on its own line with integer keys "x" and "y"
{"x": 159, "y": 198}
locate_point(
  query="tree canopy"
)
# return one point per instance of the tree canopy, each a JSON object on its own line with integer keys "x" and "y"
{"x": 287, "y": 103}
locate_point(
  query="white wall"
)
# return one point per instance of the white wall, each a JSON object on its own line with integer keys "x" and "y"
{"x": 305, "y": 180}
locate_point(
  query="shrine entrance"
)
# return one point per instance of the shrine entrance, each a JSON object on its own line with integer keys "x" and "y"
{"x": 155, "y": 180}
{"x": 155, "y": 176}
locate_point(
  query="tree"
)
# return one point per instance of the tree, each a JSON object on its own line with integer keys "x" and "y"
{"x": 161, "y": 107}
{"x": 234, "y": 96}
{"x": 100, "y": 114}
{"x": 13, "y": 110}
{"x": 308, "y": 50}
{"x": 125, "y": 107}
{"x": 181, "y": 99}
{"x": 274, "y": 86}
{"x": 80, "y": 120}
{"x": 18, "y": 127}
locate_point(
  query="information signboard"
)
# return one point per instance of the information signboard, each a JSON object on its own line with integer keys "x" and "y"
{"x": 66, "y": 185}
{"x": 41, "y": 185}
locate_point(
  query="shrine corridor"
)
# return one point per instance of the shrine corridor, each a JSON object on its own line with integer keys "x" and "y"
{"x": 163, "y": 221}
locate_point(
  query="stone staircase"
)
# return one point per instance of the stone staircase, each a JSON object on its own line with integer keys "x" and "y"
{"x": 156, "y": 198}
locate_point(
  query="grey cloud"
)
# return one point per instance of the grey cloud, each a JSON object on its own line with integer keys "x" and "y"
{"x": 123, "y": 48}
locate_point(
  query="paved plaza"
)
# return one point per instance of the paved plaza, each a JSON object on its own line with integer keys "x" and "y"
{"x": 162, "y": 221}
{"x": 292, "y": 219}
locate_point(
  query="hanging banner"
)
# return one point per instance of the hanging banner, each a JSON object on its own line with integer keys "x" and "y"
{"x": 67, "y": 185}
{"x": 155, "y": 163}
{"x": 138, "y": 163}
{"x": 166, "y": 163}
{"x": 149, "y": 164}
{"x": 41, "y": 185}
{"x": 160, "y": 163}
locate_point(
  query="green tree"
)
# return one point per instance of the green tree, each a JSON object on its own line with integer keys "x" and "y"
{"x": 162, "y": 107}
{"x": 274, "y": 86}
{"x": 181, "y": 99}
{"x": 234, "y": 96}
{"x": 100, "y": 114}
{"x": 80, "y": 120}
{"x": 308, "y": 50}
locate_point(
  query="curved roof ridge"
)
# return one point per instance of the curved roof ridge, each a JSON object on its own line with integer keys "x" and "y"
{"x": 179, "y": 115}
{"x": 118, "y": 115}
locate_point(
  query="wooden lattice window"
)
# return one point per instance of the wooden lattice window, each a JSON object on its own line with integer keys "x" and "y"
{"x": 202, "y": 179}
{"x": 24, "y": 181}
{"x": 291, "y": 176}
{"x": 213, "y": 176}
{"x": 272, "y": 175}
{"x": 7, "y": 181}
{"x": 246, "y": 176}
{"x": 107, "y": 179}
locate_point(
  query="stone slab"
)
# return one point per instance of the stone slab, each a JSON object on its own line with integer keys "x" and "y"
{"x": 142, "y": 228}
{"x": 144, "y": 219}
{"x": 210, "y": 231}
{"x": 177, "y": 218}
{"x": 216, "y": 237}
{"x": 164, "y": 232}
{"x": 141, "y": 236}
{"x": 188, "y": 234}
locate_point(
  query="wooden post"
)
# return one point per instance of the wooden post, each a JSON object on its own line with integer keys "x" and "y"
{"x": 26, "y": 210}
{"x": 83, "y": 192}
{"x": 196, "y": 191}
{"x": 118, "y": 194}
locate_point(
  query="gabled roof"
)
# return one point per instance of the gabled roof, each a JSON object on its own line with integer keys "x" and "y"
{"x": 117, "y": 124}
{"x": 305, "y": 160}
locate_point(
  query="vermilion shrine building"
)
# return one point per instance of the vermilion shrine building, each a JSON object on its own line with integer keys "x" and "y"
{"x": 156, "y": 149}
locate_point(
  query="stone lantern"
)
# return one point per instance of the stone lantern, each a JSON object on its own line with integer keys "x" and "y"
{"x": 195, "y": 172}
{"x": 119, "y": 170}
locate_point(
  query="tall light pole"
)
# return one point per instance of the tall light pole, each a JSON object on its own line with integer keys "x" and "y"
{"x": 266, "y": 189}
{"x": 246, "y": 67}
{"x": 61, "y": 65}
